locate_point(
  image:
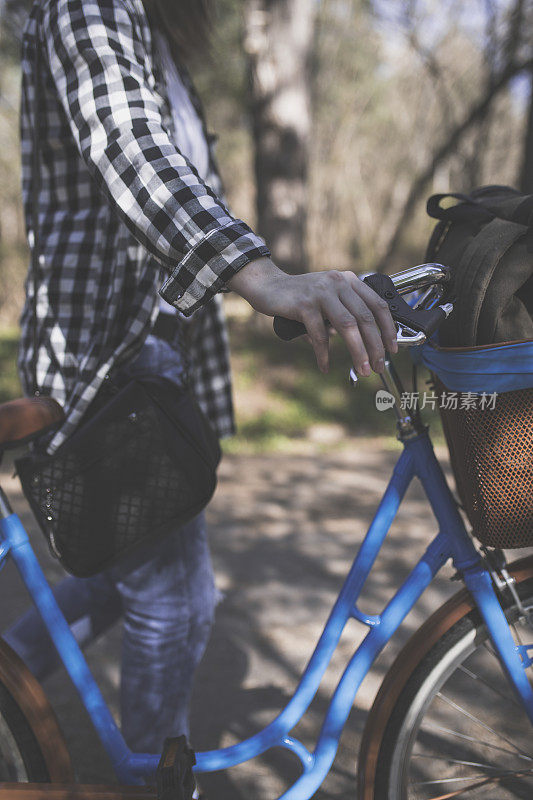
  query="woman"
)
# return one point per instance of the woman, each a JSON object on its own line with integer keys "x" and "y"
{"x": 135, "y": 246}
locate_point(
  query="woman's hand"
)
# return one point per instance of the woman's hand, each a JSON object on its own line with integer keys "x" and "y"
{"x": 359, "y": 315}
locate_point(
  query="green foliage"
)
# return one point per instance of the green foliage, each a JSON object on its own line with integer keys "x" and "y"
{"x": 9, "y": 382}
{"x": 283, "y": 399}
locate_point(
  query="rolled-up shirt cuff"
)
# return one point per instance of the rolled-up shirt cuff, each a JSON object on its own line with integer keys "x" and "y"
{"x": 213, "y": 261}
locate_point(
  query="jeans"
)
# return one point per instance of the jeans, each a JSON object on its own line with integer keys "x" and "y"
{"x": 166, "y": 594}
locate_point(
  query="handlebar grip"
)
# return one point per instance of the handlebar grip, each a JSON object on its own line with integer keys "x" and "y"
{"x": 425, "y": 320}
{"x": 288, "y": 329}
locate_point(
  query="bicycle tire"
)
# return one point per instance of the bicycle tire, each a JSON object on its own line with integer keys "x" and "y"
{"x": 414, "y": 754}
{"x": 32, "y": 747}
{"x": 21, "y": 758}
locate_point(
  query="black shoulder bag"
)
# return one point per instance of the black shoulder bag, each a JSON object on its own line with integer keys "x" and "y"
{"x": 142, "y": 462}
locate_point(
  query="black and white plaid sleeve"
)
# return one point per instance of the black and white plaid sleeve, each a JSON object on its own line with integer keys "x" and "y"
{"x": 103, "y": 78}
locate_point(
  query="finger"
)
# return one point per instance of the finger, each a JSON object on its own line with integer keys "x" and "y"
{"x": 368, "y": 328}
{"x": 380, "y": 310}
{"x": 319, "y": 337}
{"x": 331, "y": 333}
{"x": 347, "y": 326}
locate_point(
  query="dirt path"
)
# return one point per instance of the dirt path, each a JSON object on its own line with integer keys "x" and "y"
{"x": 284, "y": 530}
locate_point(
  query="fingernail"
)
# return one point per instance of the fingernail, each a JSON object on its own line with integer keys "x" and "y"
{"x": 394, "y": 346}
{"x": 380, "y": 365}
{"x": 365, "y": 369}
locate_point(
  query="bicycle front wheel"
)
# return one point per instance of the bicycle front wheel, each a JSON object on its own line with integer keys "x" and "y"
{"x": 456, "y": 729}
{"x": 21, "y": 758}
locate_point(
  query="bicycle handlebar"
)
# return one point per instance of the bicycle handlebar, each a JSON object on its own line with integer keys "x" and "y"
{"x": 415, "y": 325}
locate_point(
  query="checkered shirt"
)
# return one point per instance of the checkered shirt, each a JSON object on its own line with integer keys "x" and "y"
{"x": 122, "y": 214}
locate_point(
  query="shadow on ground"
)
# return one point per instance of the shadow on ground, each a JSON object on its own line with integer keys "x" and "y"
{"x": 284, "y": 531}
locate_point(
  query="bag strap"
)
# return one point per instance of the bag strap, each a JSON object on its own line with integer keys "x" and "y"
{"x": 476, "y": 268}
{"x": 477, "y": 207}
{"x": 469, "y": 209}
{"x": 36, "y": 187}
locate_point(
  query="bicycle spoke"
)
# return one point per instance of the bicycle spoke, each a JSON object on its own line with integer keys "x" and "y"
{"x": 473, "y": 739}
{"x": 438, "y": 781}
{"x": 499, "y": 776}
{"x": 477, "y": 721}
{"x": 489, "y": 685}
{"x": 449, "y": 760}
{"x": 464, "y": 789}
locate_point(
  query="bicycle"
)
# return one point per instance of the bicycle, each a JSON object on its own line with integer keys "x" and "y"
{"x": 423, "y": 739}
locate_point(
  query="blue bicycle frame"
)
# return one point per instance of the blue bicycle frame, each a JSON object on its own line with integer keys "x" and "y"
{"x": 451, "y": 541}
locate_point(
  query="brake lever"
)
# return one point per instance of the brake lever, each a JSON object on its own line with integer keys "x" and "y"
{"x": 407, "y": 337}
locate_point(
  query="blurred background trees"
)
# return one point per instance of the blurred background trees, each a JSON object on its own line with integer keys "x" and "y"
{"x": 379, "y": 103}
{"x": 336, "y": 120}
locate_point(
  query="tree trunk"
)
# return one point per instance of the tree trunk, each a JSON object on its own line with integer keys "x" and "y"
{"x": 279, "y": 35}
{"x": 526, "y": 173}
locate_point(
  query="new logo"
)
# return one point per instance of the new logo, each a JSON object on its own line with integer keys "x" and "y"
{"x": 384, "y": 400}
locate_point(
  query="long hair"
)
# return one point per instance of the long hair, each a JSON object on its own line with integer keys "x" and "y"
{"x": 186, "y": 23}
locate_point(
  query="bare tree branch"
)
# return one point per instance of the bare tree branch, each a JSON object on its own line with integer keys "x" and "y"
{"x": 435, "y": 71}
{"x": 515, "y": 32}
{"x": 474, "y": 116}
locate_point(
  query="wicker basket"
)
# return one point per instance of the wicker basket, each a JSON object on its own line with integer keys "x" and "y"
{"x": 491, "y": 452}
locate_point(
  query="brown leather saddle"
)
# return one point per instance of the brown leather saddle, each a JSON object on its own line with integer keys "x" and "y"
{"x": 27, "y": 418}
